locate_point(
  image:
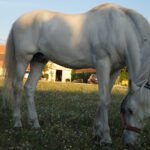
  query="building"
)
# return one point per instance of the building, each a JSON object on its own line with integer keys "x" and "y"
{"x": 2, "y": 52}
{"x": 55, "y": 72}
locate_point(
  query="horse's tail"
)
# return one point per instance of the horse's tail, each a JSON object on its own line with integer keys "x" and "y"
{"x": 9, "y": 67}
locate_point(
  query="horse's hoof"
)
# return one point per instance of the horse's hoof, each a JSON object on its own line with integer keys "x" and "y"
{"x": 105, "y": 142}
{"x": 34, "y": 124}
{"x": 18, "y": 124}
{"x": 96, "y": 140}
{"x": 102, "y": 141}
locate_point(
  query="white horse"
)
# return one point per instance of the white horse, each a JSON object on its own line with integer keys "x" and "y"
{"x": 107, "y": 38}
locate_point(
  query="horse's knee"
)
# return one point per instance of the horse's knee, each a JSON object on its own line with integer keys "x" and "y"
{"x": 28, "y": 88}
{"x": 104, "y": 105}
{"x": 17, "y": 86}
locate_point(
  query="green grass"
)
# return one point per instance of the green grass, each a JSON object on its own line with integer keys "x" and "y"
{"x": 66, "y": 113}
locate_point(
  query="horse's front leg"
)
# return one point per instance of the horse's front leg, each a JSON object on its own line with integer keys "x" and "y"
{"x": 101, "y": 126}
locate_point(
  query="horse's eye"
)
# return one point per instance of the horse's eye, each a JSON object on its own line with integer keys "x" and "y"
{"x": 130, "y": 111}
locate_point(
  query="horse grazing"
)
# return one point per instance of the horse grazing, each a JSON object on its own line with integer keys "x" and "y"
{"x": 107, "y": 38}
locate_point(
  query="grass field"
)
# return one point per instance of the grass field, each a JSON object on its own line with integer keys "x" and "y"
{"x": 66, "y": 113}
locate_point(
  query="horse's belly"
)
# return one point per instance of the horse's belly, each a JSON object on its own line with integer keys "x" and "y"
{"x": 72, "y": 61}
{"x": 64, "y": 53}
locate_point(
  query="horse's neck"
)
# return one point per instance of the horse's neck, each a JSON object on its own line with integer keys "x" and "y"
{"x": 143, "y": 35}
{"x": 144, "y": 71}
{"x": 145, "y": 97}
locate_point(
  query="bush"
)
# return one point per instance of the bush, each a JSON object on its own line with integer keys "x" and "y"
{"x": 45, "y": 76}
{"x": 83, "y": 76}
{"x": 123, "y": 75}
{"x": 67, "y": 80}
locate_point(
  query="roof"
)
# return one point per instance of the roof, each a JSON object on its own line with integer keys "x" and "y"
{"x": 2, "y": 54}
{"x": 90, "y": 70}
{"x": 2, "y": 49}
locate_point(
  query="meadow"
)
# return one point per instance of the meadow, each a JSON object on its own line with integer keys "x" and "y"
{"x": 66, "y": 112}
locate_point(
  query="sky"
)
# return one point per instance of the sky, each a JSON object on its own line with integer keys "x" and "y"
{"x": 10, "y": 10}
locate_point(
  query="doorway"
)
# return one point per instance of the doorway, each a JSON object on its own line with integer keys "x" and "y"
{"x": 58, "y": 75}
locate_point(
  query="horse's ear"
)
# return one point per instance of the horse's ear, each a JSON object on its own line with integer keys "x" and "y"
{"x": 132, "y": 86}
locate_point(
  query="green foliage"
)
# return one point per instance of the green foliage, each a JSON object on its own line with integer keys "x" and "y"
{"x": 45, "y": 75}
{"x": 123, "y": 74}
{"x": 84, "y": 76}
{"x": 48, "y": 66}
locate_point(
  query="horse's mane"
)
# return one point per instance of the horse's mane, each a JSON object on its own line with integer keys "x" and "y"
{"x": 143, "y": 29}
{"x": 104, "y": 6}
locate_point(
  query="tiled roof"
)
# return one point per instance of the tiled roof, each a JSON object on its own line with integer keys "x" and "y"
{"x": 2, "y": 52}
{"x": 85, "y": 70}
{"x": 2, "y": 49}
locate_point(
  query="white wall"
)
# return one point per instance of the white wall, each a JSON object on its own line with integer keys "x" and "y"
{"x": 66, "y": 74}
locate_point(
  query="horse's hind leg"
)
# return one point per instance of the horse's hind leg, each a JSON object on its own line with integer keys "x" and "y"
{"x": 30, "y": 86}
{"x": 17, "y": 92}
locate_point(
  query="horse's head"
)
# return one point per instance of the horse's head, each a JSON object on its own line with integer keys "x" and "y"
{"x": 133, "y": 110}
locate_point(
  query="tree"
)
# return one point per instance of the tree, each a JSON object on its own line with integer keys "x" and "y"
{"x": 47, "y": 71}
{"x": 123, "y": 74}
